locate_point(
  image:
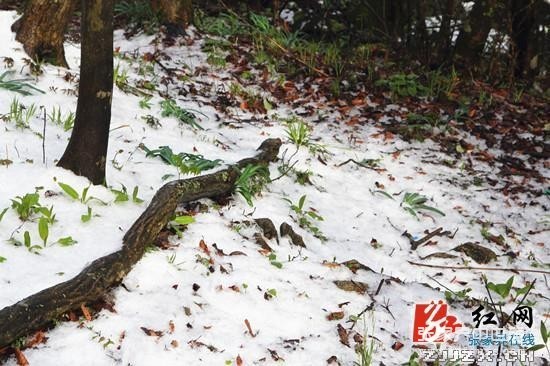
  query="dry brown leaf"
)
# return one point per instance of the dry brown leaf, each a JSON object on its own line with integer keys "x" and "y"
{"x": 249, "y": 327}
{"x": 204, "y": 247}
{"x": 20, "y": 357}
{"x": 39, "y": 337}
{"x": 331, "y": 265}
{"x": 358, "y": 101}
{"x": 274, "y": 355}
{"x": 151, "y": 332}
{"x": 335, "y": 315}
{"x": 239, "y": 361}
{"x": 343, "y": 334}
{"x": 237, "y": 252}
{"x": 397, "y": 346}
{"x": 171, "y": 327}
{"x": 86, "y": 312}
{"x": 356, "y": 286}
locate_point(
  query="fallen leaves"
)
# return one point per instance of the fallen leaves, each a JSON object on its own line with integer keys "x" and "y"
{"x": 86, "y": 312}
{"x": 352, "y": 286}
{"x": 343, "y": 335}
{"x": 195, "y": 343}
{"x": 335, "y": 315}
{"x": 20, "y": 357}
{"x": 152, "y": 332}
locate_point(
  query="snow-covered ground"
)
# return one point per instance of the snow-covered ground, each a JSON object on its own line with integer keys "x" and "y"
{"x": 175, "y": 309}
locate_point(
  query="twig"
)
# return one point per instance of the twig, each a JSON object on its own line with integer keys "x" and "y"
{"x": 437, "y": 232}
{"x": 480, "y": 268}
{"x": 442, "y": 285}
{"x": 392, "y": 225}
{"x": 379, "y": 287}
{"x": 357, "y": 163}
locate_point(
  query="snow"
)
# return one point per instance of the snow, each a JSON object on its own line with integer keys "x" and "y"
{"x": 293, "y": 323}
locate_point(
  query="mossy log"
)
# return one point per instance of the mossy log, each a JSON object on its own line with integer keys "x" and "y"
{"x": 41, "y": 309}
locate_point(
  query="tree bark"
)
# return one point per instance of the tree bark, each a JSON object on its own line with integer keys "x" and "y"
{"x": 41, "y": 309}
{"x": 177, "y": 14}
{"x": 87, "y": 149}
{"x": 42, "y": 27}
{"x": 472, "y": 37}
{"x": 523, "y": 24}
{"x": 445, "y": 33}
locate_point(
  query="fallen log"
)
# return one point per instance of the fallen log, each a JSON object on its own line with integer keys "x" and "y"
{"x": 41, "y": 309}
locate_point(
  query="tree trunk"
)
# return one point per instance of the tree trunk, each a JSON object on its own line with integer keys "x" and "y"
{"x": 471, "y": 39}
{"x": 445, "y": 33}
{"x": 523, "y": 27}
{"x": 42, "y": 27}
{"x": 87, "y": 149}
{"x": 177, "y": 14}
{"x": 43, "y": 308}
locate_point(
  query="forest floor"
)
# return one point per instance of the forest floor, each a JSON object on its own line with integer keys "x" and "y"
{"x": 215, "y": 295}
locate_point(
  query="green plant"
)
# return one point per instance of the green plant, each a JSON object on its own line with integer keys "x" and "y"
{"x": 26, "y": 243}
{"x": 179, "y": 222}
{"x": 82, "y": 197}
{"x": 403, "y": 85}
{"x": 171, "y": 109}
{"x": 26, "y": 206}
{"x": 414, "y": 360}
{"x": 17, "y": 85}
{"x": 273, "y": 260}
{"x": 305, "y": 217}
{"x": 441, "y": 84}
{"x": 123, "y": 196}
{"x": 224, "y": 25}
{"x": 298, "y": 133}
{"x": 139, "y": 14}
{"x": 453, "y": 296}
{"x": 48, "y": 214}
{"x": 66, "y": 241}
{"x": 421, "y": 126}
{"x": 251, "y": 181}
{"x": 151, "y": 121}
{"x": 120, "y": 78}
{"x": 545, "y": 335}
{"x": 20, "y": 114}
{"x": 144, "y": 103}
{"x": 414, "y": 202}
{"x": 216, "y": 58}
{"x": 87, "y": 216}
{"x": 302, "y": 176}
{"x": 365, "y": 351}
{"x": 3, "y": 212}
{"x": 185, "y": 162}
{"x": 502, "y": 289}
{"x": 43, "y": 229}
{"x": 67, "y": 121}
{"x": 270, "y": 293}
